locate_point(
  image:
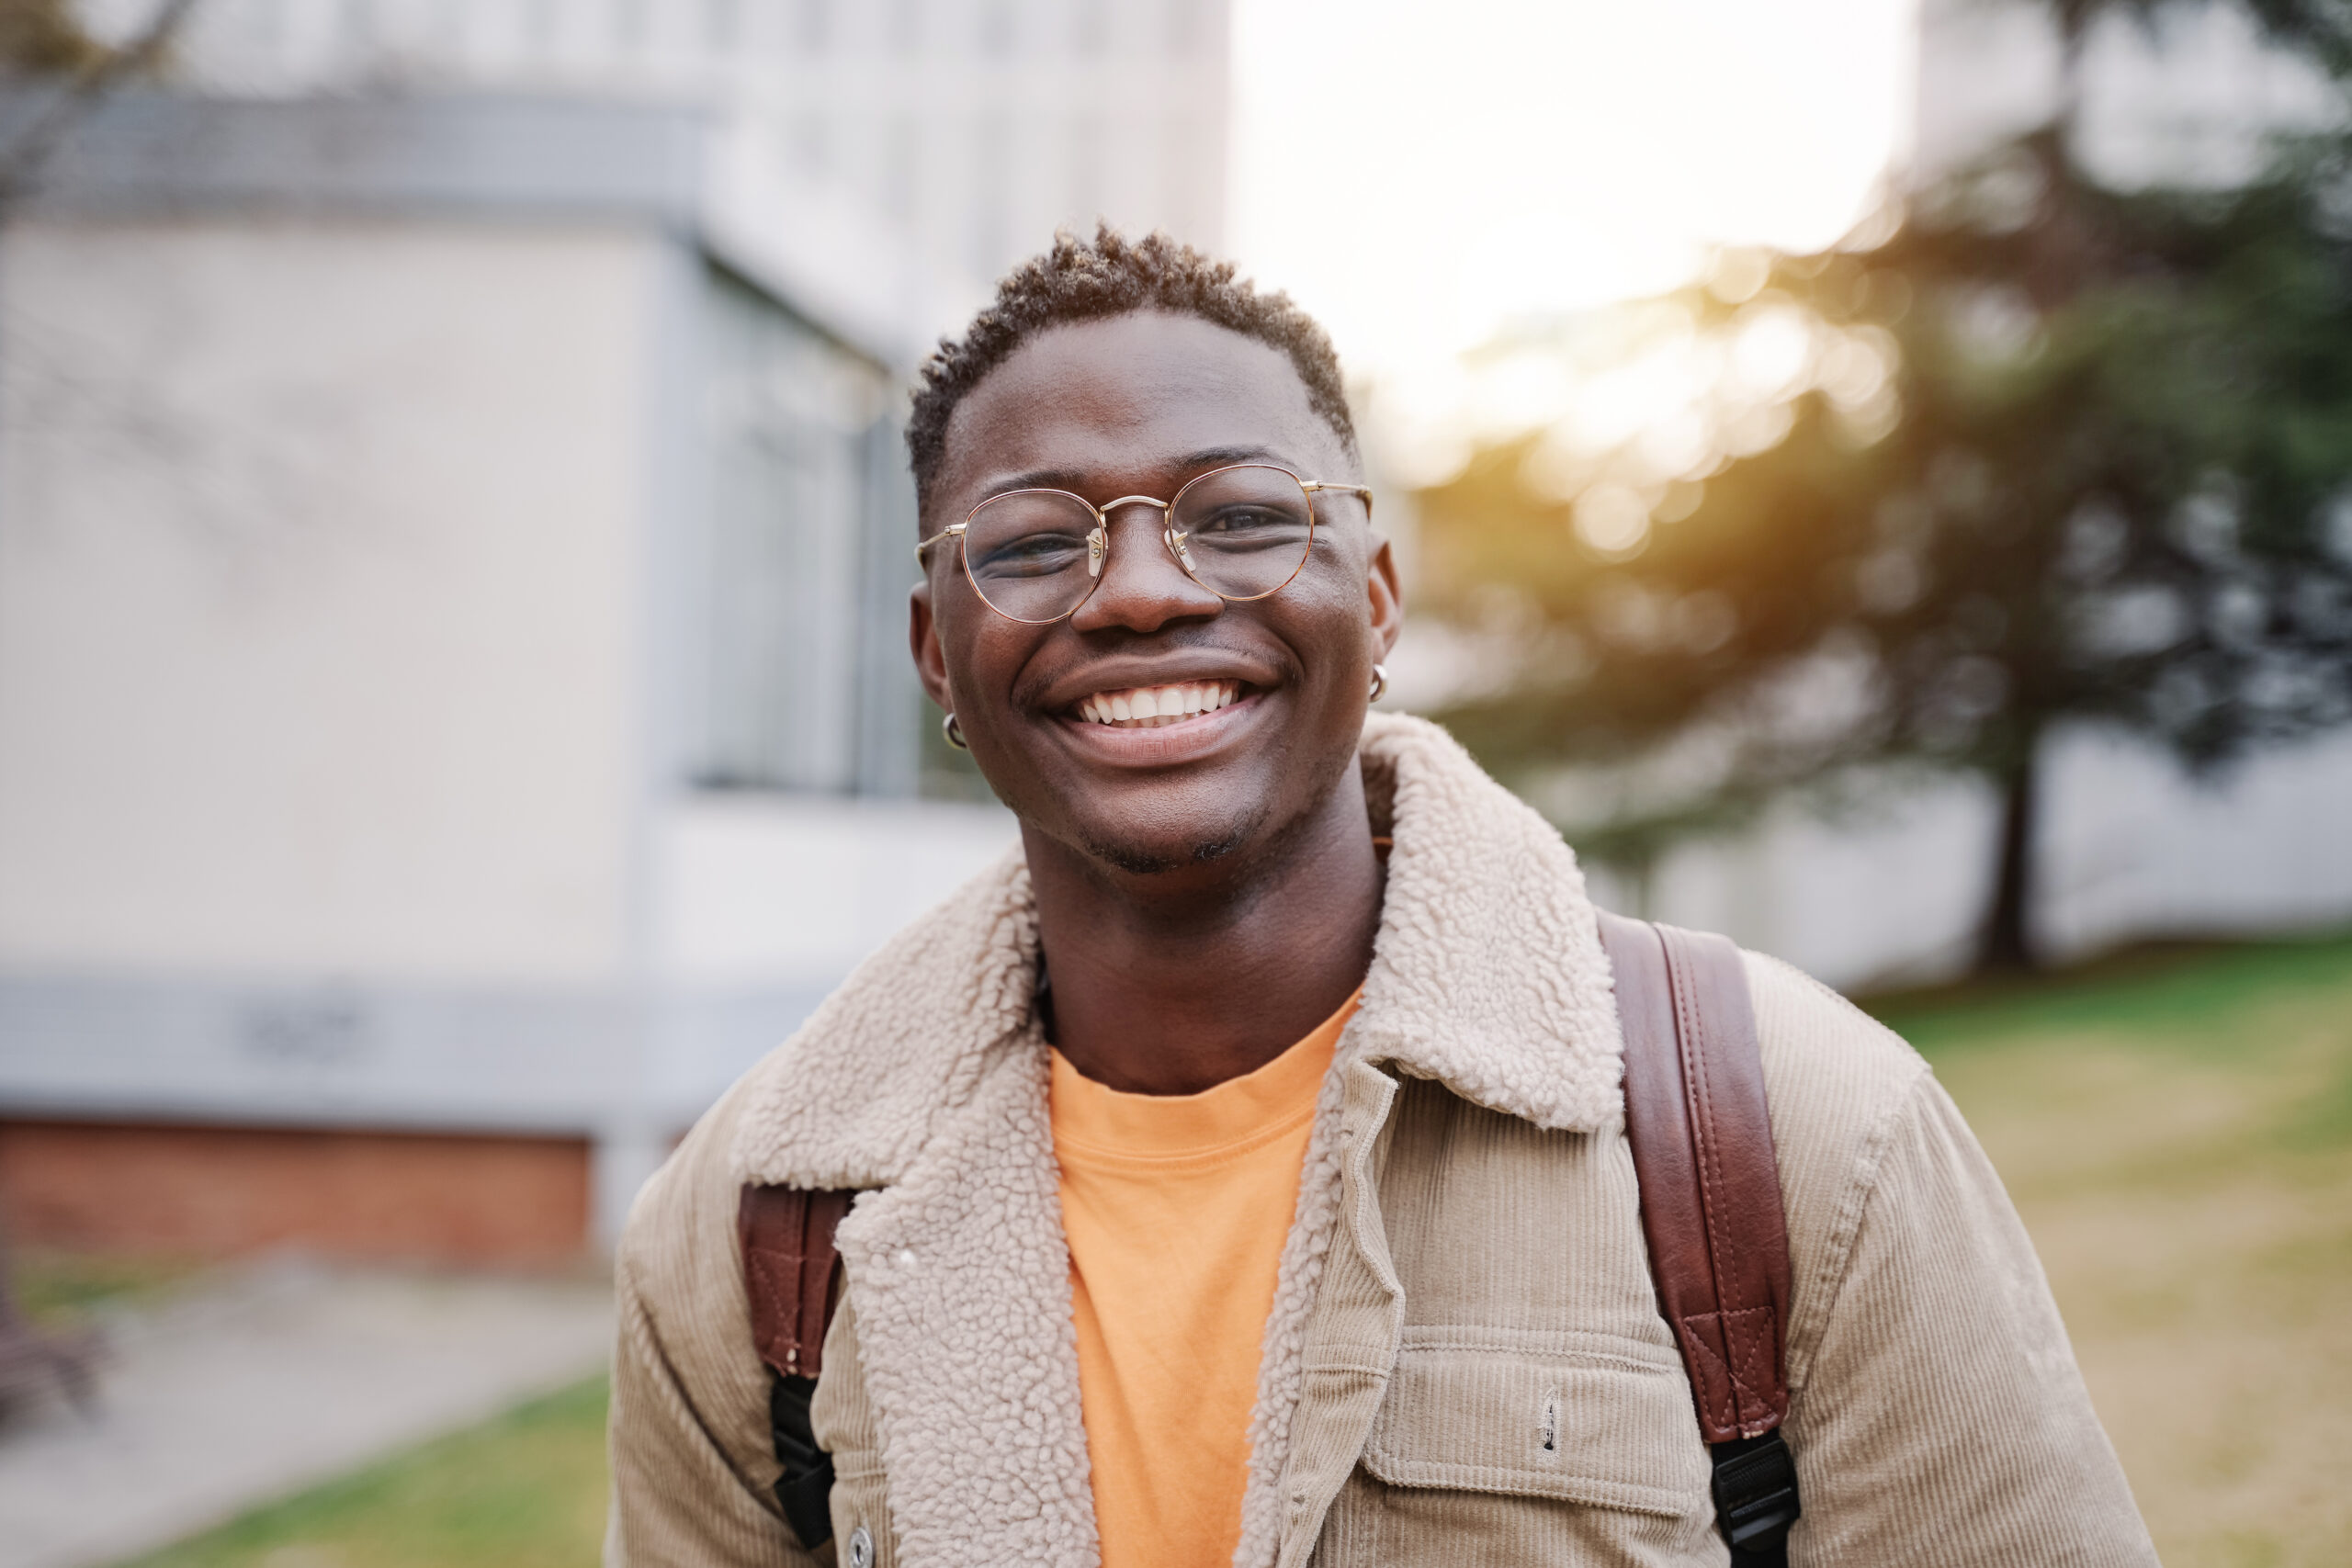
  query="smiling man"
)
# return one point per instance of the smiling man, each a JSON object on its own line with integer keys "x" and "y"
{"x": 1239, "y": 1170}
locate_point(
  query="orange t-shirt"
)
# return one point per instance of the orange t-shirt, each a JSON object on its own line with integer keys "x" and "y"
{"x": 1177, "y": 1207}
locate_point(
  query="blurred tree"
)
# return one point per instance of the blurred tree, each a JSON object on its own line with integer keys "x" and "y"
{"x": 43, "y": 38}
{"x": 2320, "y": 29}
{"x": 2043, "y": 452}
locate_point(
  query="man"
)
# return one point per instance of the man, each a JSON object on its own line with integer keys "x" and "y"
{"x": 1242, "y": 1167}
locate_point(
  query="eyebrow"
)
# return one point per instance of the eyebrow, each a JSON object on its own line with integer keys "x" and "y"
{"x": 1070, "y": 478}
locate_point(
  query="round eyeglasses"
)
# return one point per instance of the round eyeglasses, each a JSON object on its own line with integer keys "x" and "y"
{"x": 1243, "y": 532}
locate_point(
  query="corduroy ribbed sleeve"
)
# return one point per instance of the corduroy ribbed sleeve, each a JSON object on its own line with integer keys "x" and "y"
{"x": 1941, "y": 1417}
{"x": 688, "y": 1439}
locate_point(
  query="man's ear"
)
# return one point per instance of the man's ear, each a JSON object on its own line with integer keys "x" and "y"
{"x": 1387, "y": 599}
{"x": 922, "y": 642}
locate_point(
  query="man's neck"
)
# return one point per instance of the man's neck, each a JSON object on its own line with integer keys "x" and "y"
{"x": 1177, "y": 981}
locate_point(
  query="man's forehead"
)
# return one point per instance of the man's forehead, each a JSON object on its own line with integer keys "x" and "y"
{"x": 1145, "y": 388}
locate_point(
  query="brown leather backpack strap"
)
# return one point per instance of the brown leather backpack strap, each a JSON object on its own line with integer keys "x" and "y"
{"x": 1701, "y": 1141}
{"x": 789, "y": 1269}
{"x": 792, "y": 1273}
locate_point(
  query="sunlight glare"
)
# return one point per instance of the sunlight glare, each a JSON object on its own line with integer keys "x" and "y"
{"x": 1421, "y": 177}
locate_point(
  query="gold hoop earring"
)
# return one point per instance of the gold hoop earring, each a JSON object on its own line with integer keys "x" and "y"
{"x": 1379, "y": 681}
{"x": 954, "y": 734}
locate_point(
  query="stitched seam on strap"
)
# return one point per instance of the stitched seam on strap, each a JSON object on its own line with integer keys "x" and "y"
{"x": 1722, "y": 1253}
{"x": 769, "y": 1271}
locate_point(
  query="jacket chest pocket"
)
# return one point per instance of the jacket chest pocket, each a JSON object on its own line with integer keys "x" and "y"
{"x": 1513, "y": 1446}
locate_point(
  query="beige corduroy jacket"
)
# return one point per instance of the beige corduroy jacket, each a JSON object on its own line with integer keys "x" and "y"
{"x": 1464, "y": 1364}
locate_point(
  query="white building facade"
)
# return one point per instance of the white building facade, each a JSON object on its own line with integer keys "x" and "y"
{"x": 452, "y": 653}
{"x": 973, "y": 127}
{"x": 454, "y": 540}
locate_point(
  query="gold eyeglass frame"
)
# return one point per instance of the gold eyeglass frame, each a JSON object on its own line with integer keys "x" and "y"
{"x": 1097, "y": 540}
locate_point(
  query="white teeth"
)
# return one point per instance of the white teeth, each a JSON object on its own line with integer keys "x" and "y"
{"x": 1149, "y": 707}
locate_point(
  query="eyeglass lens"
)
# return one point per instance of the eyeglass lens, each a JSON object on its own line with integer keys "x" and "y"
{"x": 1241, "y": 531}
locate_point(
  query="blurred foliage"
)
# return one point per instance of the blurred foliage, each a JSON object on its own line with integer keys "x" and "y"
{"x": 2321, "y": 29}
{"x": 43, "y": 37}
{"x": 526, "y": 1490}
{"x": 2044, "y": 451}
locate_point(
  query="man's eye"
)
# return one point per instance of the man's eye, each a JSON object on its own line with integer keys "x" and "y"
{"x": 1034, "y": 555}
{"x": 1233, "y": 520}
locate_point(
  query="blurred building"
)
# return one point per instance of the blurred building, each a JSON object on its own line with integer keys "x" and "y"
{"x": 2186, "y": 95}
{"x": 973, "y": 127}
{"x": 454, "y": 705}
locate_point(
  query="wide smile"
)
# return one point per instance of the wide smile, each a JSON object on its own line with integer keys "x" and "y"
{"x": 1161, "y": 725}
{"x": 1156, "y": 708}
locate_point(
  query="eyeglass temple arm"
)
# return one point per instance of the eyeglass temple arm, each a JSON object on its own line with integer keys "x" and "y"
{"x": 951, "y": 531}
{"x": 1365, "y": 491}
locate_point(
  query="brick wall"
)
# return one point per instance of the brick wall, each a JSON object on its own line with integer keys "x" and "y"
{"x": 209, "y": 1192}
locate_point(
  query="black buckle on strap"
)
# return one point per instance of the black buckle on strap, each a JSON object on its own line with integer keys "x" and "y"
{"x": 1756, "y": 1497}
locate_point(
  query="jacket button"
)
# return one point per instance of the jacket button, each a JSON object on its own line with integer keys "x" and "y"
{"x": 861, "y": 1549}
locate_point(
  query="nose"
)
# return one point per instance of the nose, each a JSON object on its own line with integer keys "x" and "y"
{"x": 1142, "y": 589}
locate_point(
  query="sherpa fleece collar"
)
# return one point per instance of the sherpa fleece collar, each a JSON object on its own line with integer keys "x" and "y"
{"x": 924, "y": 1079}
{"x": 1487, "y": 975}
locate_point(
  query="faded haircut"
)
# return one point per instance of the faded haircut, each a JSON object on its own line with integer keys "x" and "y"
{"x": 1110, "y": 274}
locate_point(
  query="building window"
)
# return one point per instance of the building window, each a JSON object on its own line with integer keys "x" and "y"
{"x": 1091, "y": 28}
{"x": 632, "y": 25}
{"x": 1184, "y": 152}
{"x": 808, "y": 144}
{"x": 1186, "y": 25}
{"x": 900, "y": 176}
{"x": 722, "y": 25}
{"x": 789, "y": 552}
{"x": 906, "y": 27}
{"x": 991, "y": 194}
{"x": 998, "y": 29}
{"x": 813, "y": 26}
{"x": 1089, "y": 182}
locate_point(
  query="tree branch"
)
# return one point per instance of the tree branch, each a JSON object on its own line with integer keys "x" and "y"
{"x": 22, "y": 158}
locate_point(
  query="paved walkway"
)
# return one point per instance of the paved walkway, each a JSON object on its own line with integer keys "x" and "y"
{"x": 263, "y": 1383}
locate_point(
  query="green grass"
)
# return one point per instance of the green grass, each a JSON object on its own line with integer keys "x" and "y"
{"x": 2176, "y": 1126}
{"x": 526, "y": 1490}
{"x": 59, "y": 1288}
{"x": 2194, "y": 995}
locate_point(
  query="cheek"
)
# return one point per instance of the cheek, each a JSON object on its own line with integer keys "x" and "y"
{"x": 985, "y": 654}
{"x": 1331, "y": 628}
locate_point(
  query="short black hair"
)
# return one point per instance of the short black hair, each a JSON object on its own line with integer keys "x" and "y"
{"x": 1083, "y": 280}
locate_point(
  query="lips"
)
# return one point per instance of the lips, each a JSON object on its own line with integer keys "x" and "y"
{"x": 1150, "y": 707}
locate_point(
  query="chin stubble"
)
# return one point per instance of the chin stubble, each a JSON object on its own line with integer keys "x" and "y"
{"x": 1137, "y": 863}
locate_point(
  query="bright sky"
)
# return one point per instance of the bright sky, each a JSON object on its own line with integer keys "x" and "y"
{"x": 1417, "y": 173}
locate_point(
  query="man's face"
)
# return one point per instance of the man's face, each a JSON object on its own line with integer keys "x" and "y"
{"x": 1137, "y": 405}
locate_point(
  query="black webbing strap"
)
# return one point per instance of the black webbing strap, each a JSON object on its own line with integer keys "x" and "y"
{"x": 806, "y": 1487}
